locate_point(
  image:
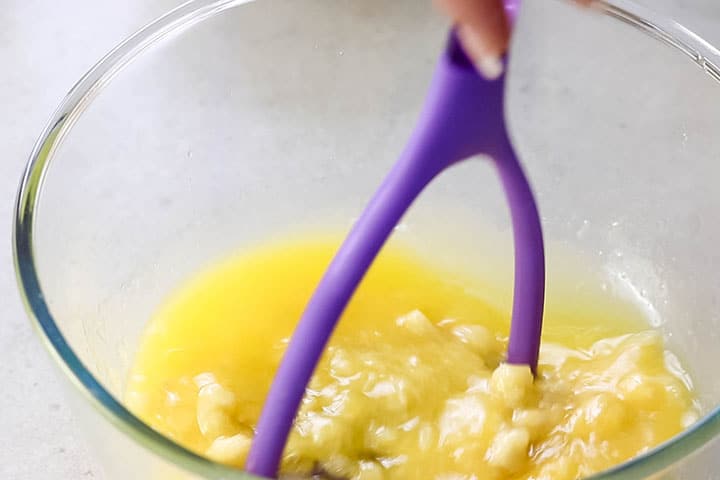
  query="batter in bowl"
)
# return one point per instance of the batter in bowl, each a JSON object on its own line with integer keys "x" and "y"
{"x": 413, "y": 384}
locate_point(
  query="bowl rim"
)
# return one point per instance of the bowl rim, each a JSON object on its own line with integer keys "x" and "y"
{"x": 81, "y": 95}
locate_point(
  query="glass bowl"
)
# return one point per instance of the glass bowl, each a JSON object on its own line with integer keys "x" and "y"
{"x": 225, "y": 123}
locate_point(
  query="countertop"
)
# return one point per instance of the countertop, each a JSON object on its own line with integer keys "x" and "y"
{"x": 44, "y": 48}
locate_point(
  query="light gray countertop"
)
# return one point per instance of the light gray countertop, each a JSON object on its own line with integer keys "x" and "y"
{"x": 44, "y": 48}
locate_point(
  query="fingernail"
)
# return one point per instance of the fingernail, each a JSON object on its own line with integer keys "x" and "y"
{"x": 487, "y": 65}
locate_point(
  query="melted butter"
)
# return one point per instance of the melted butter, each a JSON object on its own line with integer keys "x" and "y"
{"x": 412, "y": 385}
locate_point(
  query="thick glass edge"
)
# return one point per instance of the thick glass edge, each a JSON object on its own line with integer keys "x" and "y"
{"x": 704, "y": 54}
{"x": 177, "y": 20}
{"x": 72, "y": 106}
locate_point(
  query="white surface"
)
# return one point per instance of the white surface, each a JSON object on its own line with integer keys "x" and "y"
{"x": 44, "y": 47}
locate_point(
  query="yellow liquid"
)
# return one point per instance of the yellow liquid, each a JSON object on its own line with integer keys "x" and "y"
{"x": 412, "y": 385}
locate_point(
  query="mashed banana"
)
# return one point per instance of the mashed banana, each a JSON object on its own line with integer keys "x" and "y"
{"x": 423, "y": 393}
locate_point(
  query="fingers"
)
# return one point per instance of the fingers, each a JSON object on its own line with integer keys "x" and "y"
{"x": 483, "y": 29}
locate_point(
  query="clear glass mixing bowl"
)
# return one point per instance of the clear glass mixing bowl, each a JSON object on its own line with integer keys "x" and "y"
{"x": 228, "y": 122}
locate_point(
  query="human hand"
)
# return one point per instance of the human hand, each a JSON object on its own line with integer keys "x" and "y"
{"x": 484, "y": 31}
